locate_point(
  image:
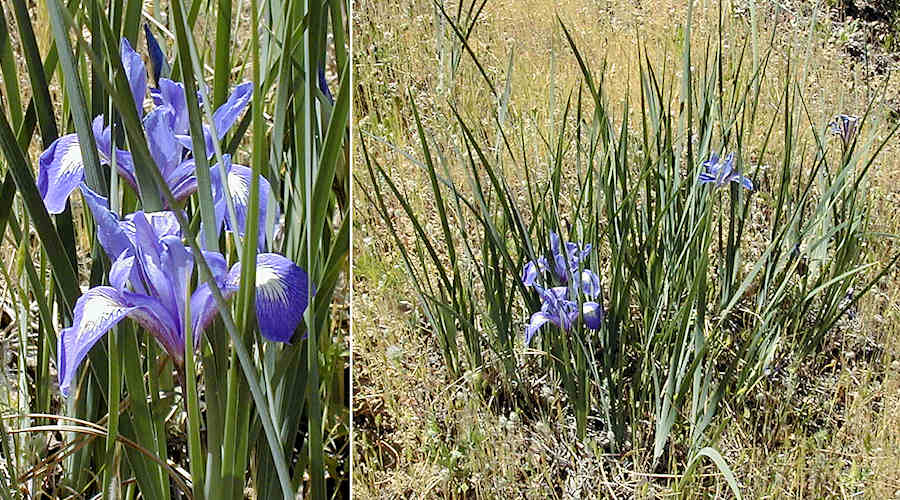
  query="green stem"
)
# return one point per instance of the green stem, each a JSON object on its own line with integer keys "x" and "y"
{"x": 316, "y": 466}
{"x": 115, "y": 389}
{"x": 213, "y": 370}
{"x": 229, "y": 472}
{"x": 192, "y": 405}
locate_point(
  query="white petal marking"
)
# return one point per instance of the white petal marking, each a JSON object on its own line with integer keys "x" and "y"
{"x": 71, "y": 159}
{"x": 270, "y": 284}
{"x": 97, "y": 311}
{"x": 239, "y": 188}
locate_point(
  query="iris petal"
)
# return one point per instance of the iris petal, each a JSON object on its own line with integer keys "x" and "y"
{"x": 172, "y": 94}
{"x": 178, "y": 264}
{"x": 60, "y": 171}
{"x": 228, "y": 113}
{"x": 152, "y": 314}
{"x": 121, "y": 271}
{"x": 149, "y": 248}
{"x": 164, "y": 223}
{"x": 164, "y": 148}
{"x": 98, "y": 310}
{"x": 590, "y": 283}
{"x": 537, "y": 320}
{"x": 593, "y": 315}
{"x": 181, "y": 179}
{"x": 111, "y": 233}
{"x": 530, "y": 273}
{"x": 188, "y": 142}
{"x": 136, "y": 74}
{"x": 323, "y": 85}
{"x": 282, "y": 294}
{"x": 124, "y": 161}
{"x": 204, "y": 309}
{"x": 217, "y": 265}
{"x": 238, "y": 185}
{"x": 183, "y": 189}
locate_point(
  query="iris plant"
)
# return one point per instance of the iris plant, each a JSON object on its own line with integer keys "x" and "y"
{"x": 720, "y": 172}
{"x": 151, "y": 266}
{"x": 559, "y": 305}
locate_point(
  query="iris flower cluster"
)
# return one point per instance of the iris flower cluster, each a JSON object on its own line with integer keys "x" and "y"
{"x": 559, "y": 304}
{"x": 151, "y": 265}
{"x": 720, "y": 172}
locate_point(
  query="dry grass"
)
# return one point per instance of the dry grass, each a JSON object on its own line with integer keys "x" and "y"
{"x": 832, "y": 429}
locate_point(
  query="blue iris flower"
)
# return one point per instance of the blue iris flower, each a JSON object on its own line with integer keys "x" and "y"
{"x": 149, "y": 277}
{"x": 720, "y": 172}
{"x": 557, "y": 304}
{"x": 170, "y": 96}
{"x": 567, "y": 259}
{"x": 556, "y": 308}
{"x": 844, "y": 126}
{"x": 61, "y": 168}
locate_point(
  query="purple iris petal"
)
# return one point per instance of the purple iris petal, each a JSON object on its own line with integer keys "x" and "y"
{"x": 118, "y": 239}
{"x": 172, "y": 94}
{"x": 590, "y": 283}
{"x": 136, "y": 73}
{"x": 567, "y": 257}
{"x": 533, "y": 271}
{"x": 111, "y": 233}
{"x": 593, "y": 315}
{"x": 203, "y": 305}
{"x": 238, "y": 185}
{"x": 561, "y": 268}
{"x": 537, "y": 320}
{"x": 148, "y": 253}
{"x": 165, "y": 326}
{"x": 323, "y": 85}
{"x": 164, "y": 148}
{"x": 203, "y": 308}
{"x": 559, "y": 261}
{"x": 181, "y": 179}
{"x": 60, "y": 171}
{"x": 228, "y": 113}
{"x": 98, "y": 310}
{"x": 188, "y": 142}
{"x": 281, "y": 295}
{"x": 179, "y": 265}
{"x": 121, "y": 271}
{"x": 164, "y": 223}
{"x": 217, "y": 265}
{"x": 124, "y": 162}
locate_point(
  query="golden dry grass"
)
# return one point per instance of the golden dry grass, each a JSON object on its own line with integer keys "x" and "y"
{"x": 830, "y": 433}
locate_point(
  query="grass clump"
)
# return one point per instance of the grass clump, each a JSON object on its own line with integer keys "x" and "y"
{"x": 705, "y": 287}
